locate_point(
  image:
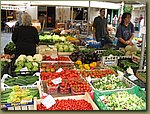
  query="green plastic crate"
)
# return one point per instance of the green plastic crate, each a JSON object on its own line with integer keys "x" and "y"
{"x": 134, "y": 90}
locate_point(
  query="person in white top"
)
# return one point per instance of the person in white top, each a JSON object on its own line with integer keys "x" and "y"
{"x": 115, "y": 20}
{"x": 141, "y": 26}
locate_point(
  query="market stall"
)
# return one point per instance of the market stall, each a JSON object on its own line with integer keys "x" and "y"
{"x": 72, "y": 71}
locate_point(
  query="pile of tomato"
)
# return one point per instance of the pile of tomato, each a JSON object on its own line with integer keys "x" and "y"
{"x": 59, "y": 58}
{"x": 69, "y": 104}
{"x": 96, "y": 73}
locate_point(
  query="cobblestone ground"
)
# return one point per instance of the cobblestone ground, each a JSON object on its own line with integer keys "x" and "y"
{"x": 5, "y": 39}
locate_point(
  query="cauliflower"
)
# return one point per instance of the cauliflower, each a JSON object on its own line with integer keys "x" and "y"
{"x": 20, "y": 58}
{"x": 37, "y": 57}
{"x": 29, "y": 58}
{"x": 35, "y": 64}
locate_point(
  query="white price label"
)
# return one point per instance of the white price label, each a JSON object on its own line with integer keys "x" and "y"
{"x": 132, "y": 77}
{"x": 37, "y": 74}
{"x": 57, "y": 80}
{"x": 59, "y": 70}
{"x": 48, "y": 101}
{"x": 88, "y": 79}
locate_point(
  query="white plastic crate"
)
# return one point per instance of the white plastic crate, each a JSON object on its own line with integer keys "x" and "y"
{"x": 6, "y": 76}
{"x": 28, "y": 106}
{"x": 110, "y": 60}
{"x": 99, "y": 51}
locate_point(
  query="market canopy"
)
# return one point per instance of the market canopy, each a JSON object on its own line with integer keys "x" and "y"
{"x": 96, "y": 4}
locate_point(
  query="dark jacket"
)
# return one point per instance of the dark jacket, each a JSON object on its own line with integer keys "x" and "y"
{"x": 25, "y": 39}
{"x": 100, "y": 26}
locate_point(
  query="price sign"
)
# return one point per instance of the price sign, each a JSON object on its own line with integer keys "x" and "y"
{"x": 48, "y": 101}
{"x": 59, "y": 70}
{"x": 57, "y": 80}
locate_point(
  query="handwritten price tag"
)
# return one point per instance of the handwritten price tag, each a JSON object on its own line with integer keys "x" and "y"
{"x": 48, "y": 101}
{"x": 59, "y": 70}
{"x": 57, "y": 80}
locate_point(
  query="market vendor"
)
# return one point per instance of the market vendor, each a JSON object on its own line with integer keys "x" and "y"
{"x": 25, "y": 37}
{"x": 125, "y": 31}
{"x": 100, "y": 28}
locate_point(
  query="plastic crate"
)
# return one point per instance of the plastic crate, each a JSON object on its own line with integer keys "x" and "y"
{"x": 102, "y": 106}
{"x": 99, "y": 51}
{"x": 52, "y": 89}
{"x": 12, "y": 106}
{"x": 125, "y": 80}
{"x": 8, "y": 76}
{"x": 110, "y": 60}
{"x": 64, "y": 90}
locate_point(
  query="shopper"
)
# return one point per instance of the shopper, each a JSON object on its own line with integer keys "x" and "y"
{"x": 100, "y": 28}
{"x": 125, "y": 31}
{"x": 115, "y": 20}
{"x": 141, "y": 17}
{"x": 25, "y": 37}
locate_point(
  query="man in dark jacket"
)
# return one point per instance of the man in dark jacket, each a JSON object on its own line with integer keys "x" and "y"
{"x": 100, "y": 28}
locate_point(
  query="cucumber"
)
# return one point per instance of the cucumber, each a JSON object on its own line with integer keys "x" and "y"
{"x": 20, "y": 83}
{"x": 7, "y": 91}
{"x": 21, "y": 80}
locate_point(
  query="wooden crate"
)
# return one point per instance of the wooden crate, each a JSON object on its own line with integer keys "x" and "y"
{"x": 64, "y": 53}
{"x": 77, "y": 97}
{"x": 139, "y": 76}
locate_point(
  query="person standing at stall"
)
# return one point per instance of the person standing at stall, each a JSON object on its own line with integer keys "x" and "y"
{"x": 25, "y": 37}
{"x": 125, "y": 31}
{"x": 100, "y": 28}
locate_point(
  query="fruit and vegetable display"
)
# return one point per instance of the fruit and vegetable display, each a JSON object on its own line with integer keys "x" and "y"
{"x": 52, "y": 88}
{"x": 72, "y": 39}
{"x": 115, "y": 68}
{"x": 79, "y": 87}
{"x": 81, "y": 66}
{"x": 10, "y": 48}
{"x": 127, "y": 63}
{"x": 130, "y": 49}
{"x": 96, "y": 73}
{"x": 123, "y": 100}
{"x": 86, "y": 56}
{"x": 112, "y": 52}
{"x": 65, "y": 74}
{"x": 109, "y": 82}
{"x": 143, "y": 74}
{"x": 18, "y": 95}
{"x": 53, "y": 67}
{"x": 5, "y": 67}
{"x": 65, "y": 47}
{"x": 51, "y": 39}
{"x": 59, "y": 58}
{"x": 138, "y": 82}
{"x": 31, "y": 63}
{"x": 67, "y": 104}
{"x": 21, "y": 80}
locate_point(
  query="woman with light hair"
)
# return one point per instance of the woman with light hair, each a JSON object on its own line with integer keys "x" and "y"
{"x": 25, "y": 37}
